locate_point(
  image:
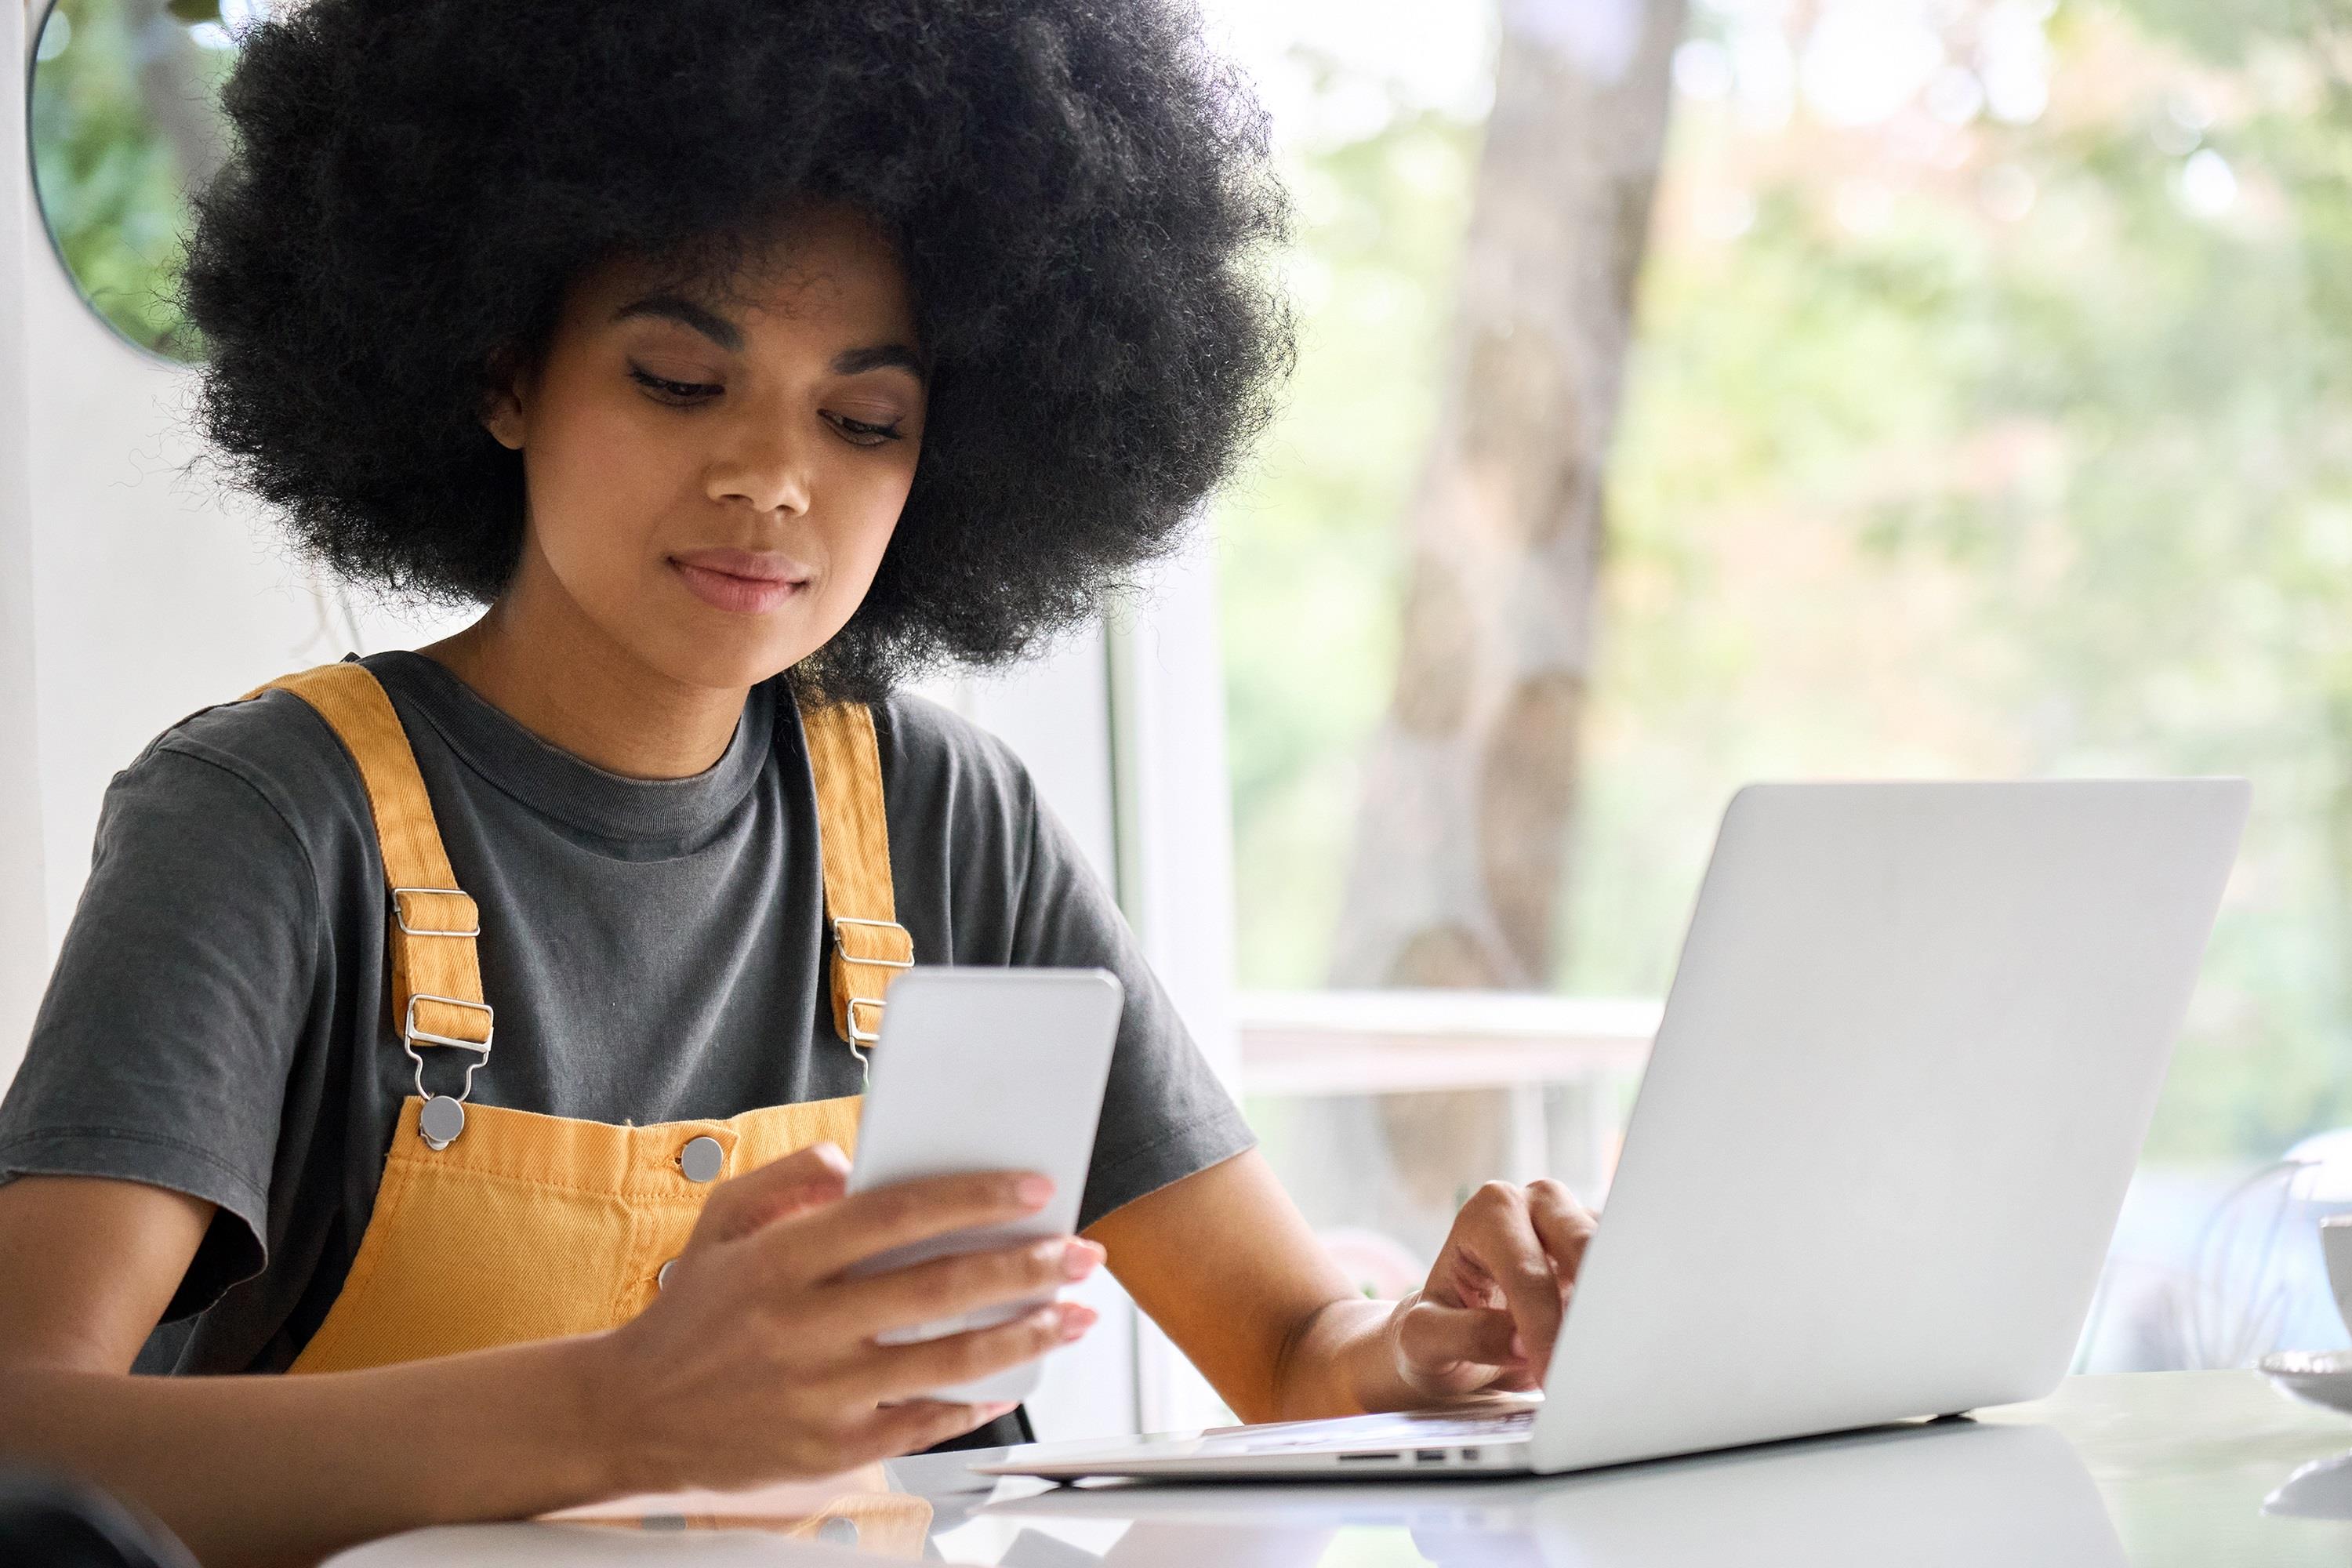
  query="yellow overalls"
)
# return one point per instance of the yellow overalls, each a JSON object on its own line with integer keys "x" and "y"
{"x": 494, "y": 1226}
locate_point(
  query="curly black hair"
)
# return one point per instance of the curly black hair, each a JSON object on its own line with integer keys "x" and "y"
{"x": 1081, "y": 192}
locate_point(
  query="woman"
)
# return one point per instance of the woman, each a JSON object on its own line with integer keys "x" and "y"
{"x": 475, "y": 1030}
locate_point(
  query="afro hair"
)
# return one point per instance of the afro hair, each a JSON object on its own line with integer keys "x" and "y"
{"x": 1080, "y": 190}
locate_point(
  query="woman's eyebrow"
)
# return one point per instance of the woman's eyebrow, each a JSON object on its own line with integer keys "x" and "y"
{"x": 685, "y": 312}
{"x": 729, "y": 336}
{"x": 851, "y": 361}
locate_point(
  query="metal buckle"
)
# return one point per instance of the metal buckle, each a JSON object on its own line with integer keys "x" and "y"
{"x": 409, "y": 1031}
{"x": 480, "y": 1050}
{"x": 860, "y": 1038}
{"x": 401, "y": 915}
{"x": 849, "y": 957}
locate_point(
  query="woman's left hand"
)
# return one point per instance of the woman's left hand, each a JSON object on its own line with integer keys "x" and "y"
{"x": 1492, "y": 1307}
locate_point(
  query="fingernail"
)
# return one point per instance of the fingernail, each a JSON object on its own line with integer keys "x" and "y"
{"x": 1075, "y": 1320}
{"x": 1033, "y": 1190}
{"x": 1078, "y": 1260}
{"x": 1519, "y": 1346}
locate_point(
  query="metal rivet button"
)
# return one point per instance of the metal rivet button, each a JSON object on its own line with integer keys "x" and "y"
{"x": 661, "y": 1275}
{"x": 441, "y": 1121}
{"x": 701, "y": 1158}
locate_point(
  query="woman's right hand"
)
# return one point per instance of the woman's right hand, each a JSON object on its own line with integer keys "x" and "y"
{"x": 757, "y": 1362}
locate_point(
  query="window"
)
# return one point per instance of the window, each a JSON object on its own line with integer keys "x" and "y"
{"x": 1983, "y": 414}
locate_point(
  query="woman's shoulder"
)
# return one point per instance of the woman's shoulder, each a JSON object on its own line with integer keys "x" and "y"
{"x": 930, "y": 750}
{"x": 273, "y": 749}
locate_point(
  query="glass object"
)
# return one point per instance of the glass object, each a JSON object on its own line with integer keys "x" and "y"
{"x": 124, "y": 119}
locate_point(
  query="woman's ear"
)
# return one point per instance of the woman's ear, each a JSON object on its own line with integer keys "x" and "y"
{"x": 501, "y": 409}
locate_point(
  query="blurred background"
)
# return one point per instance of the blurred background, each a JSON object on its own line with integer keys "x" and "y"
{"x": 1985, "y": 410}
{"x": 1688, "y": 394}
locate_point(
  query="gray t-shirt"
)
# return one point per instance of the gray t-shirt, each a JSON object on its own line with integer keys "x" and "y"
{"x": 216, "y": 1022}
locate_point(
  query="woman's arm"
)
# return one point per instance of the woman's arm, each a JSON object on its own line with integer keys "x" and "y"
{"x": 260, "y": 1469}
{"x": 1223, "y": 1262}
{"x": 756, "y": 1363}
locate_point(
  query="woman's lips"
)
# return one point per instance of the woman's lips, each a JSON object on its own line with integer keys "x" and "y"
{"x": 737, "y": 581}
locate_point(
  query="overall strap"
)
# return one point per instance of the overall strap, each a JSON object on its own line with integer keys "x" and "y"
{"x": 869, "y": 945}
{"x": 436, "y": 978}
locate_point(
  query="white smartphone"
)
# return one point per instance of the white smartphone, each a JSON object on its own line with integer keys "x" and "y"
{"x": 987, "y": 1069}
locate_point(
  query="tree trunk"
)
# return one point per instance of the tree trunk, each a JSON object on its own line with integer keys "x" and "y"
{"x": 1458, "y": 864}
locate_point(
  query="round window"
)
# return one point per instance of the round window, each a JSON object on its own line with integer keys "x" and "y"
{"x": 124, "y": 121}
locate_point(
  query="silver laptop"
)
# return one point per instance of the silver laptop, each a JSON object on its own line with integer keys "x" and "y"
{"x": 1905, "y": 1069}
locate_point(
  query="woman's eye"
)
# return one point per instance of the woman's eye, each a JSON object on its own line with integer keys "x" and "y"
{"x": 674, "y": 391}
{"x": 858, "y": 432}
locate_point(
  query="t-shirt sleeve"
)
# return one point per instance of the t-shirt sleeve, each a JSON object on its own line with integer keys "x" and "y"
{"x": 160, "y": 1050}
{"x": 1165, "y": 1115}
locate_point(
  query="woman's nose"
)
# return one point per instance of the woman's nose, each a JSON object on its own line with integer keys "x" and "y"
{"x": 764, "y": 460}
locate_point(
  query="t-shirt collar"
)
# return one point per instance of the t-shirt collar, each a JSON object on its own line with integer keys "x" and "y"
{"x": 568, "y": 787}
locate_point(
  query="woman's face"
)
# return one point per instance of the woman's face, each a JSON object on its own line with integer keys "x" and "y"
{"x": 711, "y": 482}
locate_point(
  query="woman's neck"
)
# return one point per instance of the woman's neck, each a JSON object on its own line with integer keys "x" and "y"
{"x": 536, "y": 658}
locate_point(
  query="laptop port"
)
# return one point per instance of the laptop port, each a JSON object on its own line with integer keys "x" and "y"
{"x": 1469, "y": 1454}
{"x": 1359, "y": 1458}
{"x": 1431, "y": 1456}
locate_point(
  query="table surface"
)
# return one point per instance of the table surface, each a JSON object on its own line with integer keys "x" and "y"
{"x": 2211, "y": 1468}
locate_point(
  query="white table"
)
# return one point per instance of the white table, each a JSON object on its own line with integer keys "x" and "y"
{"x": 2212, "y": 1470}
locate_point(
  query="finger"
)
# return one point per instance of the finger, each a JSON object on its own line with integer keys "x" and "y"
{"x": 1438, "y": 1337}
{"x": 805, "y": 1179}
{"x": 860, "y": 1227}
{"x": 910, "y": 1428}
{"x": 901, "y": 1371}
{"x": 1501, "y": 1239}
{"x": 1564, "y": 1227}
{"x": 926, "y": 1292}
